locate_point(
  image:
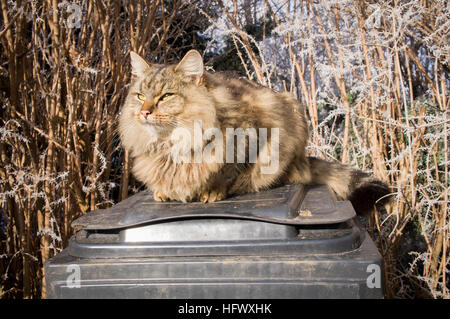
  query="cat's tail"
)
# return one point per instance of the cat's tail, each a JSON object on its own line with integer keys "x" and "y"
{"x": 363, "y": 190}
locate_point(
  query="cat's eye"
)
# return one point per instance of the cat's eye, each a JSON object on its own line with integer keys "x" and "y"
{"x": 165, "y": 96}
{"x": 140, "y": 97}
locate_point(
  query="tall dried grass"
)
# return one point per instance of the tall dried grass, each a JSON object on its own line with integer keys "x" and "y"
{"x": 62, "y": 87}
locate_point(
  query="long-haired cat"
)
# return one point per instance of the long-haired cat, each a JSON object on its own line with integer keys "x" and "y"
{"x": 165, "y": 98}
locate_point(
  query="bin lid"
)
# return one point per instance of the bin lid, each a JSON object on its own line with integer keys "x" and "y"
{"x": 294, "y": 219}
{"x": 290, "y": 205}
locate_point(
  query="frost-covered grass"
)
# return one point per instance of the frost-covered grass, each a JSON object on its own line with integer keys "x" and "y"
{"x": 373, "y": 77}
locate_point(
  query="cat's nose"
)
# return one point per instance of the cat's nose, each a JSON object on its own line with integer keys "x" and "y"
{"x": 145, "y": 113}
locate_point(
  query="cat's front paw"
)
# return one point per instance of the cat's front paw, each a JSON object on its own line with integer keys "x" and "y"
{"x": 160, "y": 197}
{"x": 212, "y": 196}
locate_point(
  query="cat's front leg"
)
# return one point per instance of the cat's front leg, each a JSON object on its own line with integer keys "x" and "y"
{"x": 160, "y": 196}
{"x": 218, "y": 185}
{"x": 212, "y": 195}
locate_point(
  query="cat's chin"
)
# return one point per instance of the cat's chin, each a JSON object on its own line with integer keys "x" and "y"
{"x": 156, "y": 128}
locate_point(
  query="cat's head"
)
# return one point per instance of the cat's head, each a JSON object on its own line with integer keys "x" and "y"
{"x": 164, "y": 97}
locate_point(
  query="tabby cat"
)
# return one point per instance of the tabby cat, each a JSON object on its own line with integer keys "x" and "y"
{"x": 164, "y": 98}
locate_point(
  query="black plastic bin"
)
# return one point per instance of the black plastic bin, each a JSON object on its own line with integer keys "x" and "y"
{"x": 291, "y": 242}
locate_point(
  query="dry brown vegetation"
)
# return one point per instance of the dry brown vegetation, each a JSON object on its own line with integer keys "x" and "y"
{"x": 373, "y": 76}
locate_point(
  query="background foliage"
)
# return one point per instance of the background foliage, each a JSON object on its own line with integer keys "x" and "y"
{"x": 373, "y": 76}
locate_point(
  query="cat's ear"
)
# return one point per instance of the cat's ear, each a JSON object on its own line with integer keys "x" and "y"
{"x": 192, "y": 67}
{"x": 138, "y": 65}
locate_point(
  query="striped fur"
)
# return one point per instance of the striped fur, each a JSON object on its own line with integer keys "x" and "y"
{"x": 179, "y": 94}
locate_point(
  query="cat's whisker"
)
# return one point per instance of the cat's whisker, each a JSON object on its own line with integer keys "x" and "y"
{"x": 185, "y": 121}
{"x": 114, "y": 137}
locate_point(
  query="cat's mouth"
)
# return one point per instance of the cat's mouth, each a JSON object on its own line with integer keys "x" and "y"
{"x": 154, "y": 124}
{"x": 156, "y": 119}
{"x": 164, "y": 123}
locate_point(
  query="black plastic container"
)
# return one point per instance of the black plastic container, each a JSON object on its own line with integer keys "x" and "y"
{"x": 290, "y": 242}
